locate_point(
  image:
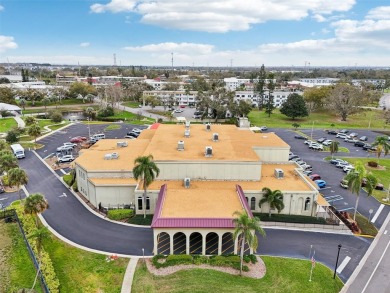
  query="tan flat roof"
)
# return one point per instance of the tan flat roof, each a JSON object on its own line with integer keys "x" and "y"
{"x": 113, "y": 181}
{"x": 234, "y": 144}
{"x": 220, "y": 201}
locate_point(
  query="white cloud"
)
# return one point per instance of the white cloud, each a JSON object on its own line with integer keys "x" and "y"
{"x": 114, "y": 6}
{"x": 1, "y": 8}
{"x": 63, "y": 59}
{"x": 381, "y": 12}
{"x": 86, "y": 44}
{"x": 7, "y": 43}
{"x": 222, "y": 15}
{"x": 187, "y": 48}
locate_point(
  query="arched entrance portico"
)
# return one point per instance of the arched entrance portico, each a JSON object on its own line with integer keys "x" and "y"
{"x": 196, "y": 240}
{"x": 179, "y": 243}
{"x": 163, "y": 243}
{"x": 212, "y": 243}
{"x": 227, "y": 243}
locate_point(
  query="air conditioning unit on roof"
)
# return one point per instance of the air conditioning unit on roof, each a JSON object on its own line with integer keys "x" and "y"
{"x": 121, "y": 144}
{"x": 187, "y": 182}
{"x": 215, "y": 136}
{"x": 188, "y": 123}
{"x": 208, "y": 151}
{"x": 208, "y": 126}
{"x": 279, "y": 174}
{"x": 180, "y": 145}
{"x": 187, "y": 133}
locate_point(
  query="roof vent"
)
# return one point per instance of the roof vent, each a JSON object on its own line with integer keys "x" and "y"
{"x": 208, "y": 151}
{"x": 188, "y": 123}
{"x": 208, "y": 126}
{"x": 180, "y": 145}
{"x": 111, "y": 156}
{"x": 187, "y": 133}
{"x": 279, "y": 174}
{"x": 187, "y": 182}
{"x": 215, "y": 136}
{"x": 121, "y": 144}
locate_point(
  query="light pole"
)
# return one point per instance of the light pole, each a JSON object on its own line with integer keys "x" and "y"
{"x": 143, "y": 255}
{"x": 370, "y": 211}
{"x": 312, "y": 128}
{"x": 337, "y": 261}
{"x": 89, "y": 128}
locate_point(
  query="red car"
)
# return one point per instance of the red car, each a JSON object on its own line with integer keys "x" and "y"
{"x": 182, "y": 106}
{"x": 78, "y": 139}
{"x": 315, "y": 177}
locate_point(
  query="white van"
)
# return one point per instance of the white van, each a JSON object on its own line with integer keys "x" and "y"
{"x": 18, "y": 151}
{"x": 98, "y": 136}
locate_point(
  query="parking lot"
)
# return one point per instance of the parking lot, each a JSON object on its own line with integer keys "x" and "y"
{"x": 340, "y": 198}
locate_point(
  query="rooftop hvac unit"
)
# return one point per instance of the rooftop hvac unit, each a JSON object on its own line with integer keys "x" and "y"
{"x": 114, "y": 155}
{"x": 208, "y": 151}
{"x": 107, "y": 157}
{"x": 180, "y": 145}
{"x": 188, "y": 123}
{"x": 279, "y": 174}
{"x": 208, "y": 126}
{"x": 187, "y": 182}
{"x": 187, "y": 133}
{"x": 215, "y": 136}
{"x": 121, "y": 144}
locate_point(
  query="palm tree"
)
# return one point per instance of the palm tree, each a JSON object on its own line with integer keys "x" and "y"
{"x": 34, "y": 131}
{"x": 17, "y": 177}
{"x": 334, "y": 147}
{"x": 35, "y": 204}
{"x": 7, "y": 161}
{"x": 146, "y": 170}
{"x": 39, "y": 235}
{"x": 382, "y": 144}
{"x": 89, "y": 111}
{"x": 273, "y": 198}
{"x": 355, "y": 179}
{"x": 247, "y": 227}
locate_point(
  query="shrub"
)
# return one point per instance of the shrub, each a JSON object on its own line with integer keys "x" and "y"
{"x": 119, "y": 214}
{"x": 108, "y": 111}
{"x": 178, "y": 259}
{"x": 67, "y": 179}
{"x": 56, "y": 116}
{"x": 159, "y": 120}
{"x": 12, "y": 136}
{"x": 372, "y": 164}
{"x": 157, "y": 258}
{"x": 200, "y": 259}
{"x": 5, "y": 180}
{"x": 74, "y": 186}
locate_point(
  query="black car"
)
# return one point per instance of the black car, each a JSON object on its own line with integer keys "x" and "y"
{"x": 366, "y": 146}
{"x": 334, "y": 132}
{"x": 321, "y": 140}
{"x": 133, "y": 134}
{"x": 359, "y": 144}
{"x": 299, "y": 137}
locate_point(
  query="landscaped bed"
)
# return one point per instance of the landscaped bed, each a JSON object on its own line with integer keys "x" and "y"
{"x": 289, "y": 218}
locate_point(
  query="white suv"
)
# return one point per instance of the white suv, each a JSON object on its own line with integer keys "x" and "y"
{"x": 67, "y": 158}
{"x": 341, "y": 135}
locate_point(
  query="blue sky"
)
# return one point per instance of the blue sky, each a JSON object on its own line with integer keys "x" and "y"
{"x": 199, "y": 33}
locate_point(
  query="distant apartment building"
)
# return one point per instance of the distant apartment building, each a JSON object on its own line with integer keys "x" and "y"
{"x": 279, "y": 97}
{"x": 233, "y": 83}
{"x": 180, "y": 98}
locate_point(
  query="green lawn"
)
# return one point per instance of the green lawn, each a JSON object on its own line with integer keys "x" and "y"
{"x": 112, "y": 127}
{"x": 7, "y": 123}
{"x": 131, "y": 104}
{"x": 63, "y": 102}
{"x": 381, "y": 174}
{"x": 365, "y": 226}
{"x": 140, "y": 220}
{"x": 283, "y": 275}
{"x": 16, "y": 268}
{"x": 131, "y": 118}
{"x": 319, "y": 120}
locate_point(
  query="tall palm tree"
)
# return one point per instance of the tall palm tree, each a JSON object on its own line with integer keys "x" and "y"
{"x": 39, "y": 235}
{"x": 334, "y": 147}
{"x": 382, "y": 144}
{"x": 273, "y": 198}
{"x": 146, "y": 170}
{"x": 7, "y": 161}
{"x": 247, "y": 228}
{"x": 17, "y": 177}
{"x": 35, "y": 204}
{"x": 355, "y": 179}
{"x": 34, "y": 130}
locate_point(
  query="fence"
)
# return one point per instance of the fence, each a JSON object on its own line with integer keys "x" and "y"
{"x": 12, "y": 216}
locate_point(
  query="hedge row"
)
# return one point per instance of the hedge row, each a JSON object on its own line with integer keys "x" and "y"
{"x": 289, "y": 218}
{"x": 162, "y": 261}
{"x": 120, "y": 214}
{"x": 46, "y": 264}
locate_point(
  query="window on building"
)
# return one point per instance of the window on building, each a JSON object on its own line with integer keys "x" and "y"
{"x": 147, "y": 203}
{"x": 307, "y": 203}
{"x": 253, "y": 203}
{"x": 140, "y": 203}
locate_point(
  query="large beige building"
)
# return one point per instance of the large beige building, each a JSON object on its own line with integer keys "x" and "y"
{"x": 207, "y": 172}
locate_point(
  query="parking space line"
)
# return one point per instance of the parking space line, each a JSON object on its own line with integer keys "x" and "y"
{"x": 336, "y": 199}
{"x": 343, "y": 264}
{"x": 377, "y": 213}
{"x": 346, "y": 209}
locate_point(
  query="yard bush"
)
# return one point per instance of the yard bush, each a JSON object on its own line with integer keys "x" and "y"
{"x": 372, "y": 164}
{"x": 106, "y": 112}
{"x": 56, "y": 116}
{"x": 74, "y": 186}
{"x": 159, "y": 261}
{"x": 67, "y": 179}
{"x": 178, "y": 259}
{"x": 200, "y": 259}
{"x": 119, "y": 214}
{"x": 289, "y": 218}
{"x": 224, "y": 261}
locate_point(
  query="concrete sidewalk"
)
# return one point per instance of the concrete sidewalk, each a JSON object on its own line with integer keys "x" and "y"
{"x": 129, "y": 275}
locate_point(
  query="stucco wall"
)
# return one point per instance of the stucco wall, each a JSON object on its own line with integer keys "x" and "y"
{"x": 114, "y": 195}
{"x": 275, "y": 154}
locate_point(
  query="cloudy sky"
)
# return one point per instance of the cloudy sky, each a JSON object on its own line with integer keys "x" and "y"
{"x": 197, "y": 32}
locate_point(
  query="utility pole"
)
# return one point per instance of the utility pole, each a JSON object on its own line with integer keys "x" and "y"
{"x": 172, "y": 60}
{"x": 114, "y": 59}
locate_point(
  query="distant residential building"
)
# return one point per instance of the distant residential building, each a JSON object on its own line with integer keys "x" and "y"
{"x": 180, "y": 98}
{"x": 233, "y": 83}
{"x": 279, "y": 97}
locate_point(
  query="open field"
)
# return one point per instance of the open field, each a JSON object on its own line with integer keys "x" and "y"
{"x": 131, "y": 104}
{"x": 283, "y": 275}
{"x": 7, "y": 123}
{"x": 320, "y": 120}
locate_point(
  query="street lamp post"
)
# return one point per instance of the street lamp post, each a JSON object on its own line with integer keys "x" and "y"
{"x": 337, "y": 261}
{"x": 143, "y": 255}
{"x": 89, "y": 128}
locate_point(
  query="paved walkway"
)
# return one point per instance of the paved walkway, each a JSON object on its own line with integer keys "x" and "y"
{"x": 20, "y": 122}
{"x": 129, "y": 275}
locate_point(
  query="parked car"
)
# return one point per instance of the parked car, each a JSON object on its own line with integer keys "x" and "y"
{"x": 263, "y": 128}
{"x": 78, "y": 139}
{"x": 136, "y": 130}
{"x": 353, "y": 134}
{"x": 333, "y": 132}
{"x": 341, "y": 165}
{"x": 316, "y": 147}
{"x": 344, "y": 131}
{"x": 327, "y": 142}
{"x": 341, "y": 135}
{"x": 307, "y": 172}
{"x": 130, "y": 137}
{"x": 350, "y": 139}
{"x": 297, "y": 136}
{"x": 66, "y": 158}
{"x": 292, "y": 157}
{"x": 321, "y": 140}
{"x": 363, "y": 138}
{"x": 344, "y": 184}
{"x": 359, "y": 144}
{"x": 315, "y": 177}
{"x": 178, "y": 111}
{"x": 133, "y": 134}
{"x": 366, "y": 146}
{"x": 379, "y": 186}
{"x": 348, "y": 168}
{"x": 320, "y": 183}
{"x": 308, "y": 141}
{"x": 296, "y": 159}
{"x": 335, "y": 161}
{"x": 73, "y": 145}
{"x": 64, "y": 148}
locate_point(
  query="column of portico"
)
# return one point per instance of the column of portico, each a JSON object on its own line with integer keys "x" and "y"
{"x": 155, "y": 244}
{"x": 170, "y": 243}
{"x": 220, "y": 243}
{"x": 235, "y": 245}
{"x": 187, "y": 243}
{"x": 203, "y": 244}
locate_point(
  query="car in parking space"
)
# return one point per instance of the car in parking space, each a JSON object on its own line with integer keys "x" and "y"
{"x": 350, "y": 139}
{"x": 263, "y": 128}
{"x": 316, "y": 146}
{"x": 333, "y": 132}
{"x": 315, "y": 177}
{"x": 344, "y": 131}
{"x": 182, "y": 106}
{"x": 307, "y": 172}
{"x": 344, "y": 184}
{"x": 321, "y": 140}
{"x": 327, "y": 142}
{"x": 348, "y": 168}
{"x": 378, "y": 186}
{"x": 308, "y": 141}
{"x": 64, "y": 148}
{"x": 335, "y": 161}
{"x": 359, "y": 144}
{"x": 320, "y": 183}
{"x": 73, "y": 145}
{"x": 297, "y": 136}
{"x": 296, "y": 159}
{"x": 178, "y": 111}
{"x": 133, "y": 134}
{"x": 78, "y": 139}
{"x": 363, "y": 138}
{"x": 130, "y": 137}
{"x": 290, "y": 157}
{"x": 353, "y": 134}
{"x": 136, "y": 130}
{"x": 66, "y": 158}
{"x": 341, "y": 165}
{"x": 366, "y": 146}
{"x": 341, "y": 135}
